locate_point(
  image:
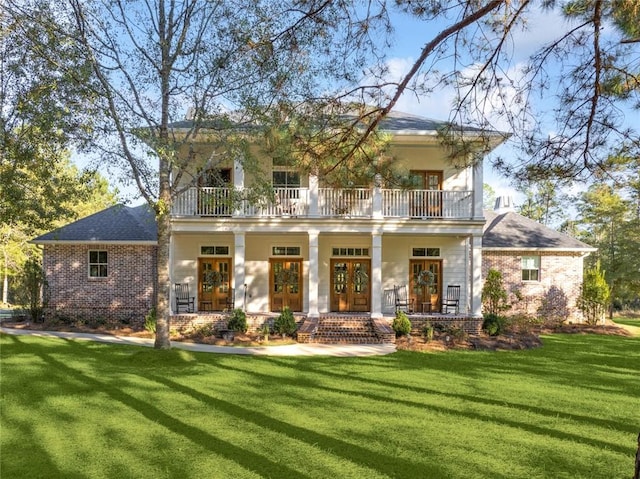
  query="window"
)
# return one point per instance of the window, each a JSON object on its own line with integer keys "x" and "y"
{"x": 286, "y": 251}
{"x": 286, "y": 179}
{"x": 530, "y": 268}
{"x": 214, "y": 250}
{"x": 97, "y": 264}
{"x": 435, "y": 252}
{"x": 350, "y": 251}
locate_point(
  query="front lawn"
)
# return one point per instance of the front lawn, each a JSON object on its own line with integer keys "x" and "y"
{"x": 74, "y": 409}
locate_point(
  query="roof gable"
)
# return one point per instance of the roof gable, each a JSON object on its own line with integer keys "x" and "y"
{"x": 118, "y": 223}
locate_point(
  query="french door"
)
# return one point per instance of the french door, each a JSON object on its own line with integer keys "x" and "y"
{"x": 214, "y": 283}
{"x": 350, "y": 285}
{"x": 425, "y": 284}
{"x": 285, "y": 284}
{"x": 427, "y": 201}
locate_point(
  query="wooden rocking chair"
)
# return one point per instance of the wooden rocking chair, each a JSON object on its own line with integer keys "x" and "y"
{"x": 403, "y": 301}
{"x": 452, "y": 300}
{"x": 183, "y": 298}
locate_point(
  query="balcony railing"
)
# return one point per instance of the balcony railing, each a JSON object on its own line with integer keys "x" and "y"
{"x": 328, "y": 202}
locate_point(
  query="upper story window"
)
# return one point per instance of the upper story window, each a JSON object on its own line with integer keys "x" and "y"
{"x": 286, "y": 179}
{"x": 97, "y": 264}
{"x": 218, "y": 178}
{"x": 530, "y": 268}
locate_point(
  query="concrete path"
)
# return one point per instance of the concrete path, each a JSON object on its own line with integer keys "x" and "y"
{"x": 286, "y": 350}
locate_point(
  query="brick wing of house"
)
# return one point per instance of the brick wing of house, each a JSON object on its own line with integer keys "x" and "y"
{"x": 542, "y": 269}
{"x": 316, "y": 249}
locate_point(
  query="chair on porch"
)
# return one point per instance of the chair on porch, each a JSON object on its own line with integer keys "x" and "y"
{"x": 230, "y": 302}
{"x": 183, "y": 298}
{"x": 452, "y": 299}
{"x": 403, "y": 301}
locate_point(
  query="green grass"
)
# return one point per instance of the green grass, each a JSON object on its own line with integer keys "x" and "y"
{"x": 630, "y": 324}
{"x": 73, "y": 409}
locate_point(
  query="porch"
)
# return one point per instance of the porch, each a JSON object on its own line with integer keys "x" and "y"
{"x": 334, "y": 328}
{"x": 326, "y": 203}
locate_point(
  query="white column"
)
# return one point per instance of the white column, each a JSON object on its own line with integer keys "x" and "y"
{"x": 238, "y": 269}
{"x": 314, "y": 189}
{"x": 376, "y": 275}
{"x": 314, "y": 278}
{"x": 477, "y": 189}
{"x": 238, "y": 184}
{"x": 377, "y": 197}
{"x": 475, "y": 287}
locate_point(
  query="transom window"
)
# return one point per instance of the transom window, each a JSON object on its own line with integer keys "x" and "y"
{"x": 350, "y": 251}
{"x": 286, "y": 251}
{"x": 97, "y": 264}
{"x": 425, "y": 252}
{"x": 214, "y": 250}
{"x": 530, "y": 268}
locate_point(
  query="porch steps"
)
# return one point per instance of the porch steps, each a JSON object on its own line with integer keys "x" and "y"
{"x": 346, "y": 331}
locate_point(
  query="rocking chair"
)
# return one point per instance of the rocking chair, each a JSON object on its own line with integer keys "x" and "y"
{"x": 403, "y": 301}
{"x": 183, "y": 298}
{"x": 452, "y": 300}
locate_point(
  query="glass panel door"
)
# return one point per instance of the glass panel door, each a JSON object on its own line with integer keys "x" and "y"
{"x": 285, "y": 280}
{"x": 350, "y": 285}
{"x": 214, "y": 283}
{"x": 425, "y": 284}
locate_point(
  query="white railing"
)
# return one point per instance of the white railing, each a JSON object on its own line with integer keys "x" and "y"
{"x": 427, "y": 204}
{"x": 328, "y": 202}
{"x": 286, "y": 202}
{"x": 345, "y": 202}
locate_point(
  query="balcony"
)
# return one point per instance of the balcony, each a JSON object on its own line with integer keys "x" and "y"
{"x": 327, "y": 203}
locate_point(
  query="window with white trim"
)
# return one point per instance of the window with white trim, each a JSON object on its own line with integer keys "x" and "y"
{"x": 214, "y": 250}
{"x": 285, "y": 251}
{"x": 425, "y": 252}
{"x": 98, "y": 264}
{"x": 530, "y": 268}
{"x": 350, "y": 252}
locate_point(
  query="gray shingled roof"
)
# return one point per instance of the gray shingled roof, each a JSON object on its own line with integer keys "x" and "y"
{"x": 118, "y": 223}
{"x": 513, "y": 231}
{"x": 395, "y": 122}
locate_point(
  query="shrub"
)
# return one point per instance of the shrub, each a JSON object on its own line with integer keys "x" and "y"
{"x": 494, "y": 295}
{"x": 285, "y": 323}
{"x": 150, "y": 321}
{"x": 32, "y": 290}
{"x": 493, "y": 324}
{"x": 238, "y": 321}
{"x": 401, "y": 324}
{"x": 427, "y": 332}
{"x": 595, "y": 295}
{"x": 456, "y": 334}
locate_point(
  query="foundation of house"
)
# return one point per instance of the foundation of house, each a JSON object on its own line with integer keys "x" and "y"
{"x": 333, "y": 328}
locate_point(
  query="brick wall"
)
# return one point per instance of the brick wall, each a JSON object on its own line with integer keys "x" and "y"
{"x": 560, "y": 282}
{"x": 126, "y": 294}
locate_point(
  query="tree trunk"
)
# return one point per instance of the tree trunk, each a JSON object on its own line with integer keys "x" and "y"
{"x": 163, "y": 218}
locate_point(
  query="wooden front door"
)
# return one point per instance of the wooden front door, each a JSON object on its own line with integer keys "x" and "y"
{"x": 350, "y": 285}
{"x": 285, "y": 284}
{"x": 214, "y": 283}
{"x": 426, "y": 297}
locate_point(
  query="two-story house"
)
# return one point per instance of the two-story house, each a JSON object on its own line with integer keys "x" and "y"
{"x": 318, "y": 250}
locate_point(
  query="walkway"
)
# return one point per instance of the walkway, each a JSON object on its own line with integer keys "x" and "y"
{"x": 310, "y": 349}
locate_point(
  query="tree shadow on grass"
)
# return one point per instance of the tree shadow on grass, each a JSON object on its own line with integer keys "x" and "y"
{"x": 501, "y": 403}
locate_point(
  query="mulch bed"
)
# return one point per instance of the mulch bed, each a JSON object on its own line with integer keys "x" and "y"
{"x": 441, "y": 341}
